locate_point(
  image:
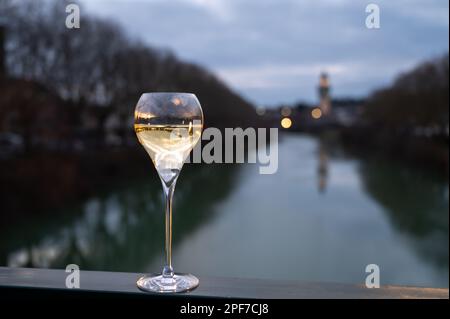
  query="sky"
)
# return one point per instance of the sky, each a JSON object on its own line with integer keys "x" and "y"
{"x": 272, "y": 51}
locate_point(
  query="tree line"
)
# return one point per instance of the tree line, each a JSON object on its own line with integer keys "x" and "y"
{"x": 417, "y": 102}
{"x": 100, "y": 65}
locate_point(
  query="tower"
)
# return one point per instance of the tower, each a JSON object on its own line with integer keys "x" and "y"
{"x": 324, "y": 94}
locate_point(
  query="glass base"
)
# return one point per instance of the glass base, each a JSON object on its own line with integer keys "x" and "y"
{"x": 178, "y": 283}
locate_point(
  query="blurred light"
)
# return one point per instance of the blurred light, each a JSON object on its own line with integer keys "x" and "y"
{"x": 286, "y": 111}
{"x": 286, "y": 122}
{"x": 260, "y": 111}
{"x": 176, "y": 101}
{"x": 316, "y": 113}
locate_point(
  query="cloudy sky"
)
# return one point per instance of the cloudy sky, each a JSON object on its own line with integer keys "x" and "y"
{"x": 272, "y": 51}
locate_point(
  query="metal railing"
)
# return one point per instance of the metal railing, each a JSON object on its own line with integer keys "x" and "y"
{"x": 210, "y": 287}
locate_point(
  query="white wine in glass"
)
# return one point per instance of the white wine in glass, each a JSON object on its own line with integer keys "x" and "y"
{"x": 168, "y": 125}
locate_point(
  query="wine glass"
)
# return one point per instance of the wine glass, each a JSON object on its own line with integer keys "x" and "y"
{"x": 168, "y": 125}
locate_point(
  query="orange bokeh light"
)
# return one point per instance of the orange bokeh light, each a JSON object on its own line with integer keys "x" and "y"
{"x": 286, "y": 122}
{"x": 316, "y": 113}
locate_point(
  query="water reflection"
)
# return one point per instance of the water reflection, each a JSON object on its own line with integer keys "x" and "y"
{"x": 123, "y": 230}
{"x": 416, "y": 204}
{"x": 322, "y": 169}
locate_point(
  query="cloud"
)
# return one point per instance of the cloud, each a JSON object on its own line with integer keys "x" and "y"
{"x": 274, "y": 76}
{"x": 431, "y": 13}
{"x": 218, "y": 8}
{"x": 300, "y": 80}
{"x": 272, "y": 51}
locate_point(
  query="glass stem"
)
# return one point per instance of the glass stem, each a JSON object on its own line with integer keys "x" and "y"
{"x": 168, "y": 194}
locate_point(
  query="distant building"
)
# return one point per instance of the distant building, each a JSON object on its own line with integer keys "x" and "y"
{"x": 324, "y": 94}
{"x": 348, "y": 112}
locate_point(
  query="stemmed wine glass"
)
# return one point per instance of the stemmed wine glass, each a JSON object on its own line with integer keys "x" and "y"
{"x": 168, "y": 125}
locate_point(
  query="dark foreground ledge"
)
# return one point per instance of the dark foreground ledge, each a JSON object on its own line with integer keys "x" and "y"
{"x": 125, "y": 283}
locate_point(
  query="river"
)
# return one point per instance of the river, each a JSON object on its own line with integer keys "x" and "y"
{"x": 323, "y": 216}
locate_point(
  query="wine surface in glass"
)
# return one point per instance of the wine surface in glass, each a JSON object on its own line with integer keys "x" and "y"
{"x": 168, "y": 145}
